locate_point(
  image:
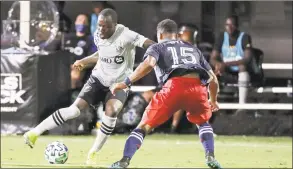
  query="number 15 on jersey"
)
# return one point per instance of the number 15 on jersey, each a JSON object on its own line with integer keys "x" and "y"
{"x": 186, "y": 56}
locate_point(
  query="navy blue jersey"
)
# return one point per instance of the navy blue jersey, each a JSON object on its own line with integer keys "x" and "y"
{"x": 178, "y": 55}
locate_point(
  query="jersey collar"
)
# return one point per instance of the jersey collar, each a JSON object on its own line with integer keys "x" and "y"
{"x": 119, "y": 28}
{"x": 166, "y": 39}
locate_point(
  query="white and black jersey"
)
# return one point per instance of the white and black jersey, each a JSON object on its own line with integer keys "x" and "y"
{"x": 116, "y": 55}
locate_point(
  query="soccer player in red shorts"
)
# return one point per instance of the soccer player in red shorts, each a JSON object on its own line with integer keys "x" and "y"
{"x": 185, "y": 74}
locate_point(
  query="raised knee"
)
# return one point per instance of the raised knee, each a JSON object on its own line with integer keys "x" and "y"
{"x": 113, "y": 109}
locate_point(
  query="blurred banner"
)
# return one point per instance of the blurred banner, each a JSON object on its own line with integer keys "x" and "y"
{"x": 32, "y": 87}
{"x": 18, "y": 90}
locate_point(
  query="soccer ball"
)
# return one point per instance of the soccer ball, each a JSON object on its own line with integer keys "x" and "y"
{"x": 56, "y": 153}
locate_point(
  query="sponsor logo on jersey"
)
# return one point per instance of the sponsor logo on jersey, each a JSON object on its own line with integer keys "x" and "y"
{"x": 119, "y": 59}
{"x": 116, "y": 59}
{"x": 106, "y": 60}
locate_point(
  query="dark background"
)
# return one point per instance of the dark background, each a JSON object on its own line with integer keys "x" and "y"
{"x": 269, "y": 23}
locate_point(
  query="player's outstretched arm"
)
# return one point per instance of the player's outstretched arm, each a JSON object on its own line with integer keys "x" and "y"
{"x": 91, "y": 60}
{"x": 213, "y": 91}
{"x": 142, "y": 70}
{"x": 87, "y": 62}
{"x": 147, "y": 43}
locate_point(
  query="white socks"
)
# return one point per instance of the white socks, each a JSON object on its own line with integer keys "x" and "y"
{"x": 243, "y": 81}
{"x": 57, "y": 118}
{"x": 107, "y": 127}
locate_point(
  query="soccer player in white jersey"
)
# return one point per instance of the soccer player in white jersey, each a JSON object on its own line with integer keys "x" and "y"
{"x": 114, "y": 62}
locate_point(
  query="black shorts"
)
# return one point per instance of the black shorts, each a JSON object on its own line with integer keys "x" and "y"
{"x": 94, "y": 92}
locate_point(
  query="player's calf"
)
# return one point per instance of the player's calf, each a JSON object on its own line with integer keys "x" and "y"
{"x": 133, "y": 143}
{"x": 54, "y": 120}
{"x": 113, "y": 107}
{"x": 206, "y": 136}
{"x": 205, "y": 132}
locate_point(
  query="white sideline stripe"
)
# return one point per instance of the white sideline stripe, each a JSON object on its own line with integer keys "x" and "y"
{"x": 248, "y": 106}
{"x": 283, "y": 66}
{"x": 257, "y": 106}
{"x": 259, "y": 90}
{"x": 274, "y": 90}
{"x": 142, "y": 88}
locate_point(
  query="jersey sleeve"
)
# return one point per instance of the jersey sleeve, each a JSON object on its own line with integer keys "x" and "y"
{"x": 135, "y": 39}
{"x": 153, "y": 51}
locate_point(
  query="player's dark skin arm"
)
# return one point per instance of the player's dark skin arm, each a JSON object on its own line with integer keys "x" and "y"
{"x": 143, "y": 69}
{"x": 215, "y": 54}
{"x": 213, "y": 87}
{"x": 148, "y": 43}
{"x": 87, "y": 62}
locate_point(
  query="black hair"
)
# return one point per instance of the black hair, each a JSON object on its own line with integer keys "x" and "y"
{"x": 110, "y": 13}
{"x": 235, "y": 19}
{"x": 189, "y": 25}
{"x": 167, "y": 26}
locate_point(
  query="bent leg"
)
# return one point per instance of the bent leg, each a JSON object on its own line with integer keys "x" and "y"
{"x": 159, "y": 110}
{"x": 199, "y": 113}
{"x": 60, "y": 116}
{"x": 85, "y": 98}
{"x": 114, "y": 105}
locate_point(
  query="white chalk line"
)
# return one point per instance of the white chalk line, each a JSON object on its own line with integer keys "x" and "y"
{"x": 196, "y": 142}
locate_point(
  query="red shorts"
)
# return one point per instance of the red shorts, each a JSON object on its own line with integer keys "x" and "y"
{"x": 179, "y": 93}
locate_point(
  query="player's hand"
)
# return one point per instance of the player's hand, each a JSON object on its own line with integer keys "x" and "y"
{"x": 214, "y": 106}
{"x": 118, "y": 86}
{"x": 219, "y": 68}
{"x": 79, "y": 65}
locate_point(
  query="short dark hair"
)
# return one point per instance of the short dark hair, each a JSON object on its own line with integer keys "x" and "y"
{"x": 235, "y": 19}
{"x": 110, "y": 13}
{"x": 191, "y": 26}
{"x": 167, "y": 26}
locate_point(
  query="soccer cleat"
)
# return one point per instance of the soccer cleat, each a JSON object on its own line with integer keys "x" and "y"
{"x": 92, "y": 158}
{"x": 30, "y": 138}
{"x": 212, "y": 162}
{"x": 123, "y": 163}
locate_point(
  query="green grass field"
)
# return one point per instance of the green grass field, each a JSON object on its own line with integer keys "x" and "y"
{"x": 158, "y": 151}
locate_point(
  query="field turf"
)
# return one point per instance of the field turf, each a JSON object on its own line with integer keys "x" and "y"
{"x": 158, "y": 151}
